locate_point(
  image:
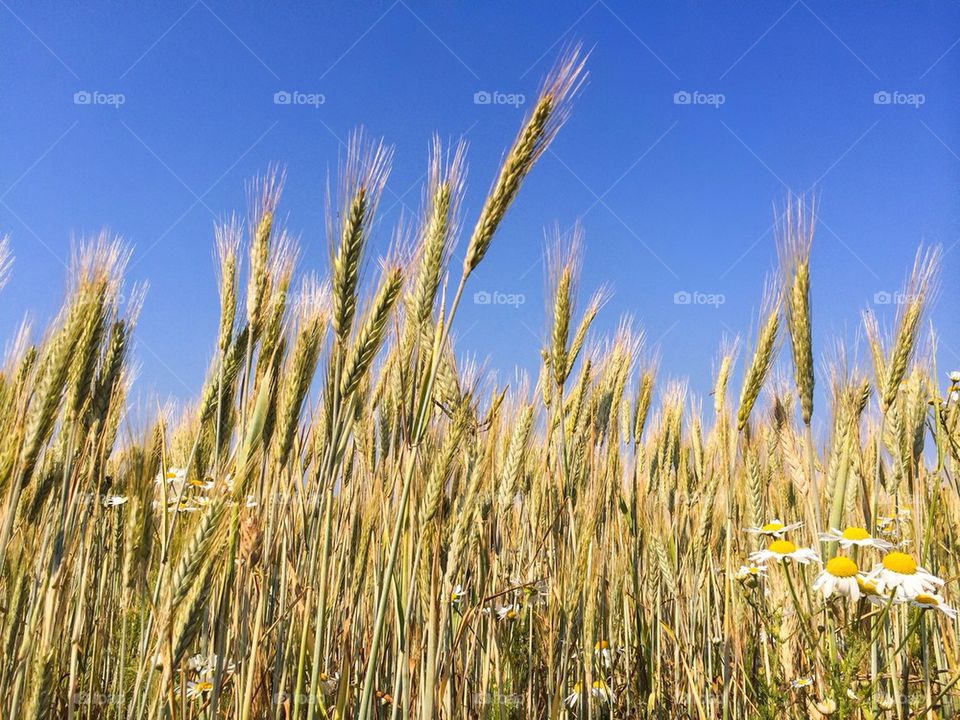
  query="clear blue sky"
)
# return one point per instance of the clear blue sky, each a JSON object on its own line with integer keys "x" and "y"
{"x": 673, "y": 197}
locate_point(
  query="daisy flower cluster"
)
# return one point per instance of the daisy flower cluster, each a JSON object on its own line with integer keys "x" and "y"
{"x": 601, "y": 690}
{"x": 202, "y": 668}
{"x": 530, "y": 593}
{"x": 188, "y": 495}
{"x": 896, "y": 579}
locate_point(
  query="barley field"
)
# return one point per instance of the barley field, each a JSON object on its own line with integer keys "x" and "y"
{"x": 349, "y": 522}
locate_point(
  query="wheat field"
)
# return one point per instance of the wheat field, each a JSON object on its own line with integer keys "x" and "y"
{"x": 350, "y": 523}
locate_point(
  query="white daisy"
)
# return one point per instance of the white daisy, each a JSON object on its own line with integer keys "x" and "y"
{"x": 775, "y": 528}
{"x": 932, "y": 601}
{"x": 800, "y": 683}
{"x": 954, "y": 376}
{"x": 900, "y": 572}
{"x": 329, "y": 681}
{"x": 196, "y": 690}
{"x": 508, "y": 612}
{"x": 205, "y": 666}
{"x": 603, "y": 652}
{"x": 171, "y": 476}
{"x": 196, "y": 662}
{"x": 886, "y": 523}
{"x": 784, "y": 550}
{"x": 536, "y": 592}
{"x": 600, "y": 690}
{"x": 457, "y": 594}
{"x": 750, "y": 572}
{"x": 851, "y": 536}
{"x": 872, "y": 590}
{"x": 114, "y": 500}
{"x": 184, "y": 506}
{"x": 839, "y": 577}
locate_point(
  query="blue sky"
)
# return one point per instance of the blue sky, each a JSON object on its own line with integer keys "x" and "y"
{"x": 674, "y": 196}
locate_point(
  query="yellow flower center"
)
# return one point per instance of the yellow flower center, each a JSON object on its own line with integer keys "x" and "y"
{"x": 867, "y": 586}
{"x": 599, "y": 685}
{"x": 511, "y": 614}
{"x": 601, "y": 645}
{"x": 899, "y": 562}
{"x": 855, "y": 533}
{"x": 782, "y": 547}
{"x": 925, "y": 599}
{"x": 204, "y": 686}
{"x": 772, "y": 527}
{"x": 841, "y": 567}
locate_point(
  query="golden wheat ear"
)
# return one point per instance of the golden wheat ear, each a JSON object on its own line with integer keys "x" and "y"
{"x": 439, "y": 228}
{"x": 915, "y": 296}
{"x": 264, "y": 195}
{"x": 227, "y": 238}
{"x": 550, "y": 111}
{"x": 763, "y": 353}
{"x": 312, "y": 312}
{"x": 795, "y": 238}
{"x": 363, "y": 177}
